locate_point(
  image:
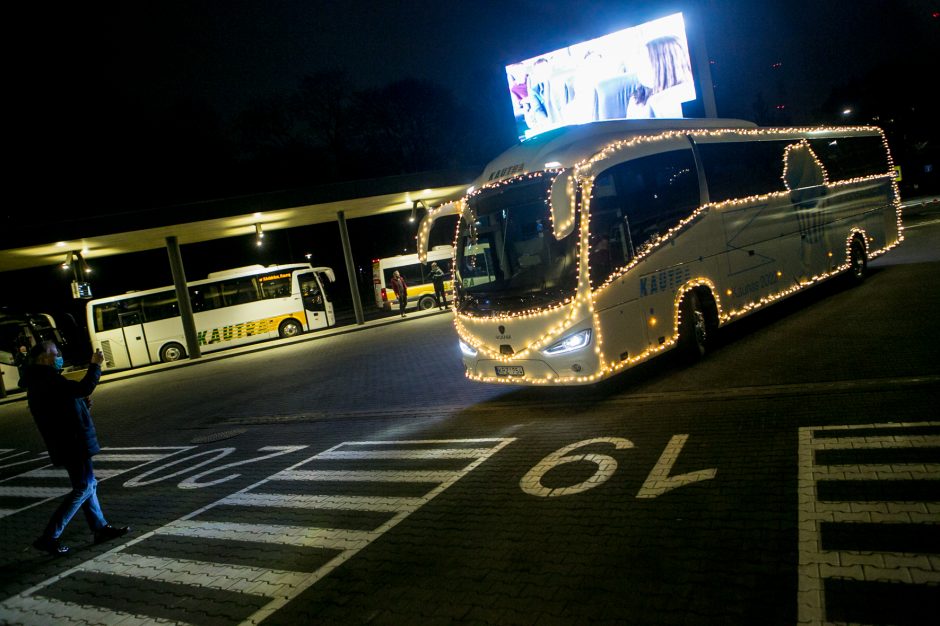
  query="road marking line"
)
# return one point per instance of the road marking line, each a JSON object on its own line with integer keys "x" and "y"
{"x": 332, "y": 538}
{"x": 347, "y": 542}
{"x": 238, "y": 578}
{"x": 384, "y": 476}
{"x": 442, "y": 453}
{"x": 60, "y": 472}
{"x": 114, "y": 458}
{"x": 33, "y": 492}
{"x": 382, "y": 504}
{"x": 816, "y": 565}
{"x": 887, "y": 441}
{"x": 40, "y": 611}
{"x": 894, "y": 471}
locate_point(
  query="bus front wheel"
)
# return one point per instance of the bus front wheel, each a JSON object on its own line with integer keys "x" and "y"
{"x": 426, "y": 303}
{"x": 172, "y": 352}
{"x": 289, "y": 328}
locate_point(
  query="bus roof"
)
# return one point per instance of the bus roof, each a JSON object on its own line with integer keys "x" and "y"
{"x": 571, "y": 144}
{"x": 436, "y": 253}
{"x": 239, "y": 272}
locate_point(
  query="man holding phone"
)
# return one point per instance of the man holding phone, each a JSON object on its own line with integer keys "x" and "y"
{"x": 61, "y": 410}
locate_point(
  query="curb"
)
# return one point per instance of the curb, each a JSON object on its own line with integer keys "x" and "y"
{"x": 261, "y": 346}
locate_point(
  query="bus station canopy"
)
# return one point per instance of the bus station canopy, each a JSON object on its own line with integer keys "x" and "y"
{"x": 122, "y": 233}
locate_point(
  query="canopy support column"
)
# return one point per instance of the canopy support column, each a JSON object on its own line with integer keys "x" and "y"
{"x": 182, "y": 297}
{"x": 350, "y": 267}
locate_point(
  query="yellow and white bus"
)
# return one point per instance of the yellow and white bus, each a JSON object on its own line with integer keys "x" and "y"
{"x": 593, "y": 248}
{"x": 230, "y": 308}
{"x": 415, "y": 273}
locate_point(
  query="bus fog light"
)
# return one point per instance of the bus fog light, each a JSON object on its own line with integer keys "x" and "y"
{"x": 576, "y": 367}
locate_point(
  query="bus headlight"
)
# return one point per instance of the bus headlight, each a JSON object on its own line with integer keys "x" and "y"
{"x": 466, "y": 349}
{"x": 572, "y": 342}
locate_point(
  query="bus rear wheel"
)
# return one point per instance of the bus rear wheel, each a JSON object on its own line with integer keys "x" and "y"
{"x": 426, "y": 303}
{"x": 289, "y": 328}
{"x": 697, "y": 326}
{"x": 172, "y": 352}
{"x": 858, "y": 260}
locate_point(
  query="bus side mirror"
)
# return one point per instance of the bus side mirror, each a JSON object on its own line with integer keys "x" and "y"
{"x": 330, "y": 275}
{"x": 427, "y": 222}
{"x": 563, "y": 204}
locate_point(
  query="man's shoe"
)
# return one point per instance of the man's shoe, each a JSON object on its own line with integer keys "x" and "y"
{"x": 110, "y": 532}
{"x": 52, "y": 546}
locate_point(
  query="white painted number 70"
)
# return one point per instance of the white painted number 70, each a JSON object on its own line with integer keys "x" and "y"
{"x": 657, "y": 483}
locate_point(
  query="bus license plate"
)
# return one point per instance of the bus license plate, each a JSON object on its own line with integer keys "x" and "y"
{"x": 509, "y": 370}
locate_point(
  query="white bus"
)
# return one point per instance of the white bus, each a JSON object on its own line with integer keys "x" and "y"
{"x": 415, "y": 273}
{"x": 593, "y": 248}
{"x": 230, "y": 308}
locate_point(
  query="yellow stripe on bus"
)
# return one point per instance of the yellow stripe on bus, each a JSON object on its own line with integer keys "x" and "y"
{"x": 244, "y": 329}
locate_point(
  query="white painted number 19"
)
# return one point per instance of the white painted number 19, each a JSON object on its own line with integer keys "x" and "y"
{"x": 657, "y": 482}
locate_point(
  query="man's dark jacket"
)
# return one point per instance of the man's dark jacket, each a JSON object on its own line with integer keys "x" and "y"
{"x": 60, "y": 409}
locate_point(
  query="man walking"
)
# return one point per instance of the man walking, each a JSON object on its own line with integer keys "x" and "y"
{"x": 61, "y": 410}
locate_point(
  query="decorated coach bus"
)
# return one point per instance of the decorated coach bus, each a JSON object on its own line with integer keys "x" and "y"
{"x": 230, "y": 308}
{"x": 589, "y": 249}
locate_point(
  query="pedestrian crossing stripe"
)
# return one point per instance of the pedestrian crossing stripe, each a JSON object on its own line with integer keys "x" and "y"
{"x": 817, "y": 565}
{"x": 276, "y": 586}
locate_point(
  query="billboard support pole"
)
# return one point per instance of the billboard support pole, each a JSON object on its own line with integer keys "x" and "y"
{"x": 703, "y": 65}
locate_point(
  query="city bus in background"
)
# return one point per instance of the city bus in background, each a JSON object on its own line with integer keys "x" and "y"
{"x": 19, "y": 332}
{"x": 592, "y": 248}
{"x": 416, "y": 275}
{"x": 231, "y": 308}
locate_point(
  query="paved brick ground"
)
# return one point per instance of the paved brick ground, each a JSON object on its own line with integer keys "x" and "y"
{"x": 791, "y": 478}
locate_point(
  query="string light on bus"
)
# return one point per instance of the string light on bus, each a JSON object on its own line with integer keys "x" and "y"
{"x": 581, "y": 304}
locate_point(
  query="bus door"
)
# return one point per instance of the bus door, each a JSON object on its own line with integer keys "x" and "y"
{"x": 135, "y": 339}
{"x": 318, "y": 309}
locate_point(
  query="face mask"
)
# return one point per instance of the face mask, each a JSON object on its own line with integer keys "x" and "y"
{"x": 59, "y": 363}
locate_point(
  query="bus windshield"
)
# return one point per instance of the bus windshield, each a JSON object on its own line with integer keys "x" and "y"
{"x": 507, "y": 256}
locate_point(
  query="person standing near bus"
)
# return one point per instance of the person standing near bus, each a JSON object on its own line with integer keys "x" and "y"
{"x": 61, "y": 410}
{"x": 437, "y": 277}
{"x": 400, "y": 287}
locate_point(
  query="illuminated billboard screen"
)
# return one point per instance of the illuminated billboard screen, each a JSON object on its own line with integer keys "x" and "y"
{"x": 642, "y": 72}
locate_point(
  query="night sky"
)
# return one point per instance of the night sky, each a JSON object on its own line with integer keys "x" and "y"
{"x": 229, "y": 52}
{"x": 88, "y": 81}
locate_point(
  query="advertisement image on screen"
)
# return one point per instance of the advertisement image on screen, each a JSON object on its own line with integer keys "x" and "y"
{"x": 642, "y": 72}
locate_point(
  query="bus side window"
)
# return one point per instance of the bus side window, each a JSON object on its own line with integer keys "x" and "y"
{"x": 205, "y": 297}
{"x": 742, "y": 169}
{"x": 607, "y": 251}
{"x": 275, "y": 286}
{"x": 240, "y": 291}
{"x": 310, "y": 288}
{"x": 106, "y": 316}
{"x": 638, "y": 200}
{"x": 411, "y": 274}
{"x": 851, "y": 157}
{"x": 159, "y": 306}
